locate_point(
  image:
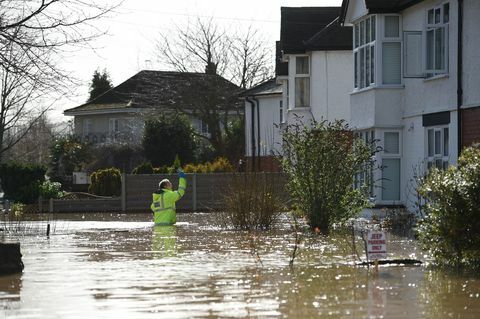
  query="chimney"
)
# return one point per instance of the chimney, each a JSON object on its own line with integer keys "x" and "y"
{"x": 211, "y": 68}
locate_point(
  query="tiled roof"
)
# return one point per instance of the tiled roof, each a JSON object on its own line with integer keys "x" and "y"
{"x": 380, "y": 6}
{"x": 300, "y": 24}
{"x": 332, "y": 37}
{"x": 265, "y": 88}
{"x": 163, "y": 89}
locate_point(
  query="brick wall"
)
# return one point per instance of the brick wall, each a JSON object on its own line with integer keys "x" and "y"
{"x": 470, "y": 126}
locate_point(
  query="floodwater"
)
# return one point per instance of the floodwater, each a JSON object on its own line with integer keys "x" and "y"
{"x": 120, "y": 266}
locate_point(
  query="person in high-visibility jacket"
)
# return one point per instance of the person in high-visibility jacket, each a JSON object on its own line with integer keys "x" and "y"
{"x": 163, "y": 203}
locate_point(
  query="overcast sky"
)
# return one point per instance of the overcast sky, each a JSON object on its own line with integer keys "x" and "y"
{"x": 132, "y": 31}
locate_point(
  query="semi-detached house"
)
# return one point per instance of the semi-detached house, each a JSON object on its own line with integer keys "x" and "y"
{"x": 416, "y": 85}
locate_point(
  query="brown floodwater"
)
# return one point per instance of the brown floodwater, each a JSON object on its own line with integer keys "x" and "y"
{"x": 120, "y": 266}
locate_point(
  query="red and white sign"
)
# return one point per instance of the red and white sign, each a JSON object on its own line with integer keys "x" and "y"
{"x": 376, "y": 245}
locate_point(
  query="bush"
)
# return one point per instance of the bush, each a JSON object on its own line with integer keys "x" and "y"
{"x": 67, "y": 155}
{"x": 50, "y": 189}
{"x": 321, "y": 161}
{"x": 451, "y": 227}
{"x": 220, "y": 165}
{"x": 106, "y": 182}
{"x": 252, "y": 202}
{"x": 145, "y": 168}
{"x": 20, "y": 183}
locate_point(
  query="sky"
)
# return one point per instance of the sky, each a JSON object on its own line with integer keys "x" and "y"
{"x": 129, "y": 45}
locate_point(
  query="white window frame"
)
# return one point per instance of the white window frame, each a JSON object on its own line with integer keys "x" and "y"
{"x": 435, "y": 26}
{"x": 384, "y": 39}
{"x": 441, "y": 158}
{"x": 360, "y": 43}
{"x": 115, "y": 127}
{"x": 398, "y": 156}
{"x": 303, "y": 76}
{"x": 87, "y": 127}
{"x": 366, "y": 176}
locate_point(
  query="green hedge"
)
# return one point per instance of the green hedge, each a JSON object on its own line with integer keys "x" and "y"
{"x": 20, "y": 182}
{"x": 106, "y": 182}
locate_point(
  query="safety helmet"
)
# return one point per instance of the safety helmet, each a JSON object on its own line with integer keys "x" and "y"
{"x": 165, "y": 180}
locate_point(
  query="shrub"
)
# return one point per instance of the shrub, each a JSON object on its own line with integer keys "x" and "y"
{"x": 321, "y": 161}
{"x": 451, "y": 228}
{"x": 220, "y": 165}
{"x": 66, "y": 155}
{"x": 20, "y": 182}
{"x": 50, "y": 189}
{"x": 144, "y": 168}
{"x": 252, "y": 202}
{"x": 106, "y": 182}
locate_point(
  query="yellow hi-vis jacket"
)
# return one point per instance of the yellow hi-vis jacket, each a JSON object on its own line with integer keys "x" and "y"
{"x": 163, "y": 204}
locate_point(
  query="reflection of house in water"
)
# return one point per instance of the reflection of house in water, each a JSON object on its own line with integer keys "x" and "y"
{"x": 10, "y": 288}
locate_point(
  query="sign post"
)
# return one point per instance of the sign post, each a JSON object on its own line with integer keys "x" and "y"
{"x": 376, "y": 245}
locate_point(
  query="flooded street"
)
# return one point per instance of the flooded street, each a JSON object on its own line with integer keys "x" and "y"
{"x": 120, "y": 266}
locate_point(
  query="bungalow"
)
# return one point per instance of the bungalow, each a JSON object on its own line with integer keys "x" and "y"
{"x": 415, "y": 85}
{"x": 118, "y": 115}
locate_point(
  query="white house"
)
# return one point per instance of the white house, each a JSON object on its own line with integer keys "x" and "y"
{"x": 318, "y": 52}
{"x": 312, "y": 80}
{"x": 415, "y": 72}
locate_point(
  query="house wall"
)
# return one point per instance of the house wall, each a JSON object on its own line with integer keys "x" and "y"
{"x": 402, "y": 108}
{"x": 270, "y": 136}
{"x": 331, "y": 84}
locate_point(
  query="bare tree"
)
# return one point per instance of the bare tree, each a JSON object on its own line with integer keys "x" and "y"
{"x": 34, "y": 36}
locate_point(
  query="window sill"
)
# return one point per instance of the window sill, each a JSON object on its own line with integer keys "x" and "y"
{"x": 300, "y": 109}
{"x": 436, "y": 77}
{"x": 396, "y": 87}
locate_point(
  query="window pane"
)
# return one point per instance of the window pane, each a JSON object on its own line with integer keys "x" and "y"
{"x": 357, "y": 29}
{"x": 391, "y": 143}
{"x": 372, "y": 65}
{"x": 438, "y": 142}
{"x": 391, "y": 179}
{"x": 356, "y": 69}
{"x": 367, "y": 66}
{"x": 439, "y": 49}
{"x": 392, "y": 29}
{"x": 445, "y": 142}
{"x": 362, "y": 67}
{"x": 392, "y": 63}
{"x": 430, "y": 143}
{"x": 439, "y": 163}
{"x": 430, "y": 16}
{"x": 373, "y": 27}
{"x": 367, "y": 30}
{"x": 446, "y": 13}
{"x": 302, "y": 92}
{"x": 281, "y": 111}
{"x": 362, "y": 33}
{"x": 437, "y": 15}
{"x": 302, "y": 65}
{"x": 430, "y": 50}
{"x": 445, "y": 164}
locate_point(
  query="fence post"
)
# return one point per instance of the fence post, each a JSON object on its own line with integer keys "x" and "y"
{"x": 50, "y": 208}
{"x": 194, "y": 192}
{"x": 124, "y": 193}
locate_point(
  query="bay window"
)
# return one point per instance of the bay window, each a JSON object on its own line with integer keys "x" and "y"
{"x": 364, "y": 52}
{"x": 391, "y": 51}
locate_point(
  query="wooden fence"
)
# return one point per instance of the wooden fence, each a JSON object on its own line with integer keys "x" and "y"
{"x": 204, "y": 192}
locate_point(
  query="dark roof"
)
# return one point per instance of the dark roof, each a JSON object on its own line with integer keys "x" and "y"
{"x": 300, "y": 24}
{"x": 380, "y": 6}
{"x": 281, "y": 68}
{"x": 332, "y": 37}
{"x": 153, "y": 89}
{"x": 265, "y": 88}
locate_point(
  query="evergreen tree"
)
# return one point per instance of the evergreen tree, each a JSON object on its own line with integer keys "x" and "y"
{"x": 101, "y": 83}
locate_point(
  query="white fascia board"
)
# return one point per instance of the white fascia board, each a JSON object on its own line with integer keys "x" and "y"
{"x": 106, "y": 111}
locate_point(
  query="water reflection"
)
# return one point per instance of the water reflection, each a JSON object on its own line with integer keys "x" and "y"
{"x": 123, "y": 267}
{"x": 163, "y": 241}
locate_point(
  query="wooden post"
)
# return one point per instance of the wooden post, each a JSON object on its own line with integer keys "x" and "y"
{"x": 124, "y": 193}
{"x": 50, "y": 208}
{"x": 194, "y": 192}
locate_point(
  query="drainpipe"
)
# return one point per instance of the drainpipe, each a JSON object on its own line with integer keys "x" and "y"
{"x": 252, "y": 124}
{"x": 459, "y": 75}
{"x": 258, "y": 132}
